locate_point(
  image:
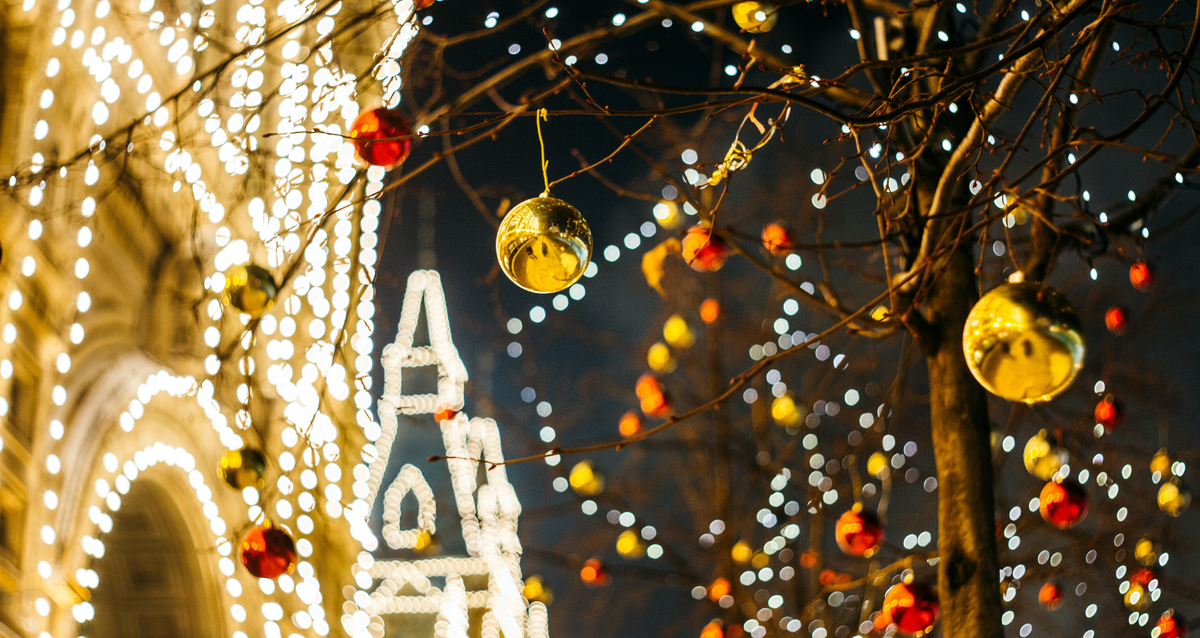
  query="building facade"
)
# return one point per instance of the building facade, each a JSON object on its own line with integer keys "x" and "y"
{"x": 150, "y": 149}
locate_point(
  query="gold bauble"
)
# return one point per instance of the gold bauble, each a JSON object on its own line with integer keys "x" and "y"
{"x": 1145, "y": 552}
{"x": 1024, "y": 342}
{"x": 1161, "y": 463}
{"x": 659, "y": 358}
{"x": 784, "y": 411}
{"x": 544, "y": 244}
{"x": 877, "y": 465}
{"x": 427, "y": 543}
{"x": 243, "y": 468}
{"x": 251, "y": 289}
{"x": 668, "y": 215}
{"x": 1136, "y": 597}
{"x": 1173, "y": 498}
{"x": 741, "y": 552}
{"x": 630, "y": 545}
{"x": 677, "y": 332}
{"x": 1043, "y": 457}
{"x": 585, "y": 479}
{"x": 755, "y": 17}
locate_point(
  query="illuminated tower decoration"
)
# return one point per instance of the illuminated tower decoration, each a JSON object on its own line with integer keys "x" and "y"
{"x": 488, "y": 511}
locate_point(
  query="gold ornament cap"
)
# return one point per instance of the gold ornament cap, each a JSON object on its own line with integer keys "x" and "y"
{"x": 1024, "y": 342}
{"x": 544, "y": 244}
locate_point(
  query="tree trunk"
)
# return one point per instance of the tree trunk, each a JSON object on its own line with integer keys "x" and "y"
{"x": 968, "y": 581}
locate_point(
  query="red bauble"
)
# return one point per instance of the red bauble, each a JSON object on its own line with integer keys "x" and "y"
{"x": 268, "y": 552}
{"x": 424, "y": 4}
{"x": 1063, "y": 504}
{"x": 1171, "y": 627}
{"x": 378, "y": 137}
{"x": 444, "y": 414}
{"x": 1141, "y": 276}
{"x": 593, "y": 573}
{"x": 777, "y": 240}
{"x": 858, "y": 533}
{"x": 1050, "y": 596}
{"x": 1142, "y": 576}
{"x": 911, "y": 607}
{"x": 704, "y": 251}
{"x": 1109, "y": 413}
{"x": 1116, "y": 320}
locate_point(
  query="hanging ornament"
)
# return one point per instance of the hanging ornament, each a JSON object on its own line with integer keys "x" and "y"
{"x": 1024, "y": 342}
{"x": 741, "y": 552}
{"x": 777, "y": 240}
{"x": 710, "y": 311}
{"x": 1145, "y": 552}
{"x": 1136, "y": 596}
{"x": 630, "y": 424}
{"x": 1109, "y": 413}
{"x": 877, "y": 465}
{"x": 1168, "y": 626}
{"x": 1137, "y": 588}
{"x": 1141, "y": 275}
{"x": 911, "y": 607}
{"x": 544, "y": 244}
{"x": 678, "y": 333}
{"x": 714, "y": 629}
{"x": 704, "y": 251}
{"x": 268, "y": 551}
{"x": 629, "y": 545}
{"x": 1173, "y": 498}
{"x": 1050, "y": 596}
{"x": 243, "y": 468}
{"x": 1160, "y": 463}
{"x": 654, "y": 400}
{"x": 1116, "y": 320}
{"x": 251, "y": 289}
{"x": 1063, "y": 504}
{"x": 668, "y": 215}
{"x": 380, "y": 137}
{"x": 785, "y": 412}
{"x": 1043, "y": 457}
{"x": 858, "y": 533}
{"x": 755, "y": 17}
{"x": 719, "y": 589}
{"x": 585, "y": 479}
{"x": 659, "y": 358}
{"x": 535, "y": 590}
{"x": 427, "y": 543}
{"x": 593, "y": 573}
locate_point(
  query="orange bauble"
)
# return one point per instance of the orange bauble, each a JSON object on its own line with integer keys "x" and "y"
{"x": 1171, "y": 627}
{"x": 1109, "y": 413}
{"x": 858, "y": 533}
{"x": 777, "y": 240}
{"x": 593, "y": 573}
{"x": 1142, "y": 576}
{"x": 268, "y": 552}
{"x": 1063, "y": 504}
{"x": 911, "y": 607}
{"x": 1116, "y": 320}
{"x": 704, "y": 251}
{"x": 710, "y": 310}
{"x": 630, "y": 424}
{"x": 652, "y": 396}
{"x": 713, "y": 630}
{"x": 1050, "y": 596}
{"x": 379, "y": 137}
{"x": 1141, "y": 276}
{"x": 444, "y": 414}
{"x": 719, "y": 589}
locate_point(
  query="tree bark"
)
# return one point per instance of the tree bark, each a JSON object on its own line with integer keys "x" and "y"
{"x": 968, "y": 581}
